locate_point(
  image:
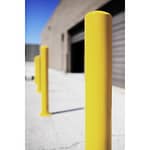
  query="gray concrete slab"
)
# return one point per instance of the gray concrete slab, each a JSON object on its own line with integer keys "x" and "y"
{"x": 66, "y": 130}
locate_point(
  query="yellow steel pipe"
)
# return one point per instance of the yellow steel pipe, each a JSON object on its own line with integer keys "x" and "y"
{"x": 35, "y": 69}
{"x": 44, "y": 80}
{"x": 98, "y": 78}
{"x": 37, "y": 73}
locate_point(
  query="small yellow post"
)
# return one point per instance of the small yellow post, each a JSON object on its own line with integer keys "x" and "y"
{"x": 37, "y": 73}
{"x": 35, "y": 69}
{"x": 44, "y": 80}
{"x": 98, "y": 78}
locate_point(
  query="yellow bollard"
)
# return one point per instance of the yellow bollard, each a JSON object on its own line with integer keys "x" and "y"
{"x": 35, "y": 69}
{"x": 37, "y": 73}
{"x": 98, "y": 78}
{"x": 44, "y": 80}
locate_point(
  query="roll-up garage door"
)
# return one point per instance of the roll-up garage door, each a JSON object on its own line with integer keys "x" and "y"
{"x": 118, "y": 50}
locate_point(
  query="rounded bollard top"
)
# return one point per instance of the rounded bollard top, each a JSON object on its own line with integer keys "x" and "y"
{"x": 43, "y": 47}
{"x": 97, "y": 12}
{"x": 36, "y": 57}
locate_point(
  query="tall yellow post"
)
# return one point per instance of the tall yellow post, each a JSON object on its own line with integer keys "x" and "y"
{"x": 98, "y": 78}
{"x": 44, "y": 80}
{"x": 37, "y": 73}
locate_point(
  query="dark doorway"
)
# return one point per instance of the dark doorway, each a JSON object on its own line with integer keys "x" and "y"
{"x": 77, "y": 57}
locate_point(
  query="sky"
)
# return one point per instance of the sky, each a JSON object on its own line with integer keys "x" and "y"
{"x": 37, "y": 13}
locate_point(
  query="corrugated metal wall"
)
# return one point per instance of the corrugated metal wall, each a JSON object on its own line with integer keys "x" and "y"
{"x": 118, "y": 50}
{"x": 30, "y": 51}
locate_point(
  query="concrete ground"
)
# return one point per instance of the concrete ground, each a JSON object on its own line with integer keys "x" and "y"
{"x": 65, "y": 131}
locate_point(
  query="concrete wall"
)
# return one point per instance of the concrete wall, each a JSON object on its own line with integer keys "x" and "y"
{"x": 67, "y": 14}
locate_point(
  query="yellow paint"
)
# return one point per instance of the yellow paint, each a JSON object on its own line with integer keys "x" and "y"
{"x": 98, "y": 78}
{"x": 44, "y": 80}
{"x": 35, "y": 69}
{"x": 37, "y": 73}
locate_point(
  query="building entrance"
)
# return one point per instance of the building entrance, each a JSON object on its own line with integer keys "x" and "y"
{"x": 77, "y": 57}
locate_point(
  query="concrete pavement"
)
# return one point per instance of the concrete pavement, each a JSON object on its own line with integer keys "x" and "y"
{"x": 65, "y": 130}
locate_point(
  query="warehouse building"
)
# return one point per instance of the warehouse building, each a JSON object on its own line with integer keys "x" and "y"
{"x": 31, "y": 50}
{"x": 64, "y": 35}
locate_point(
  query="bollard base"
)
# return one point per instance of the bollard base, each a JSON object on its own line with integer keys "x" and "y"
{"x": 47, "y": 114}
